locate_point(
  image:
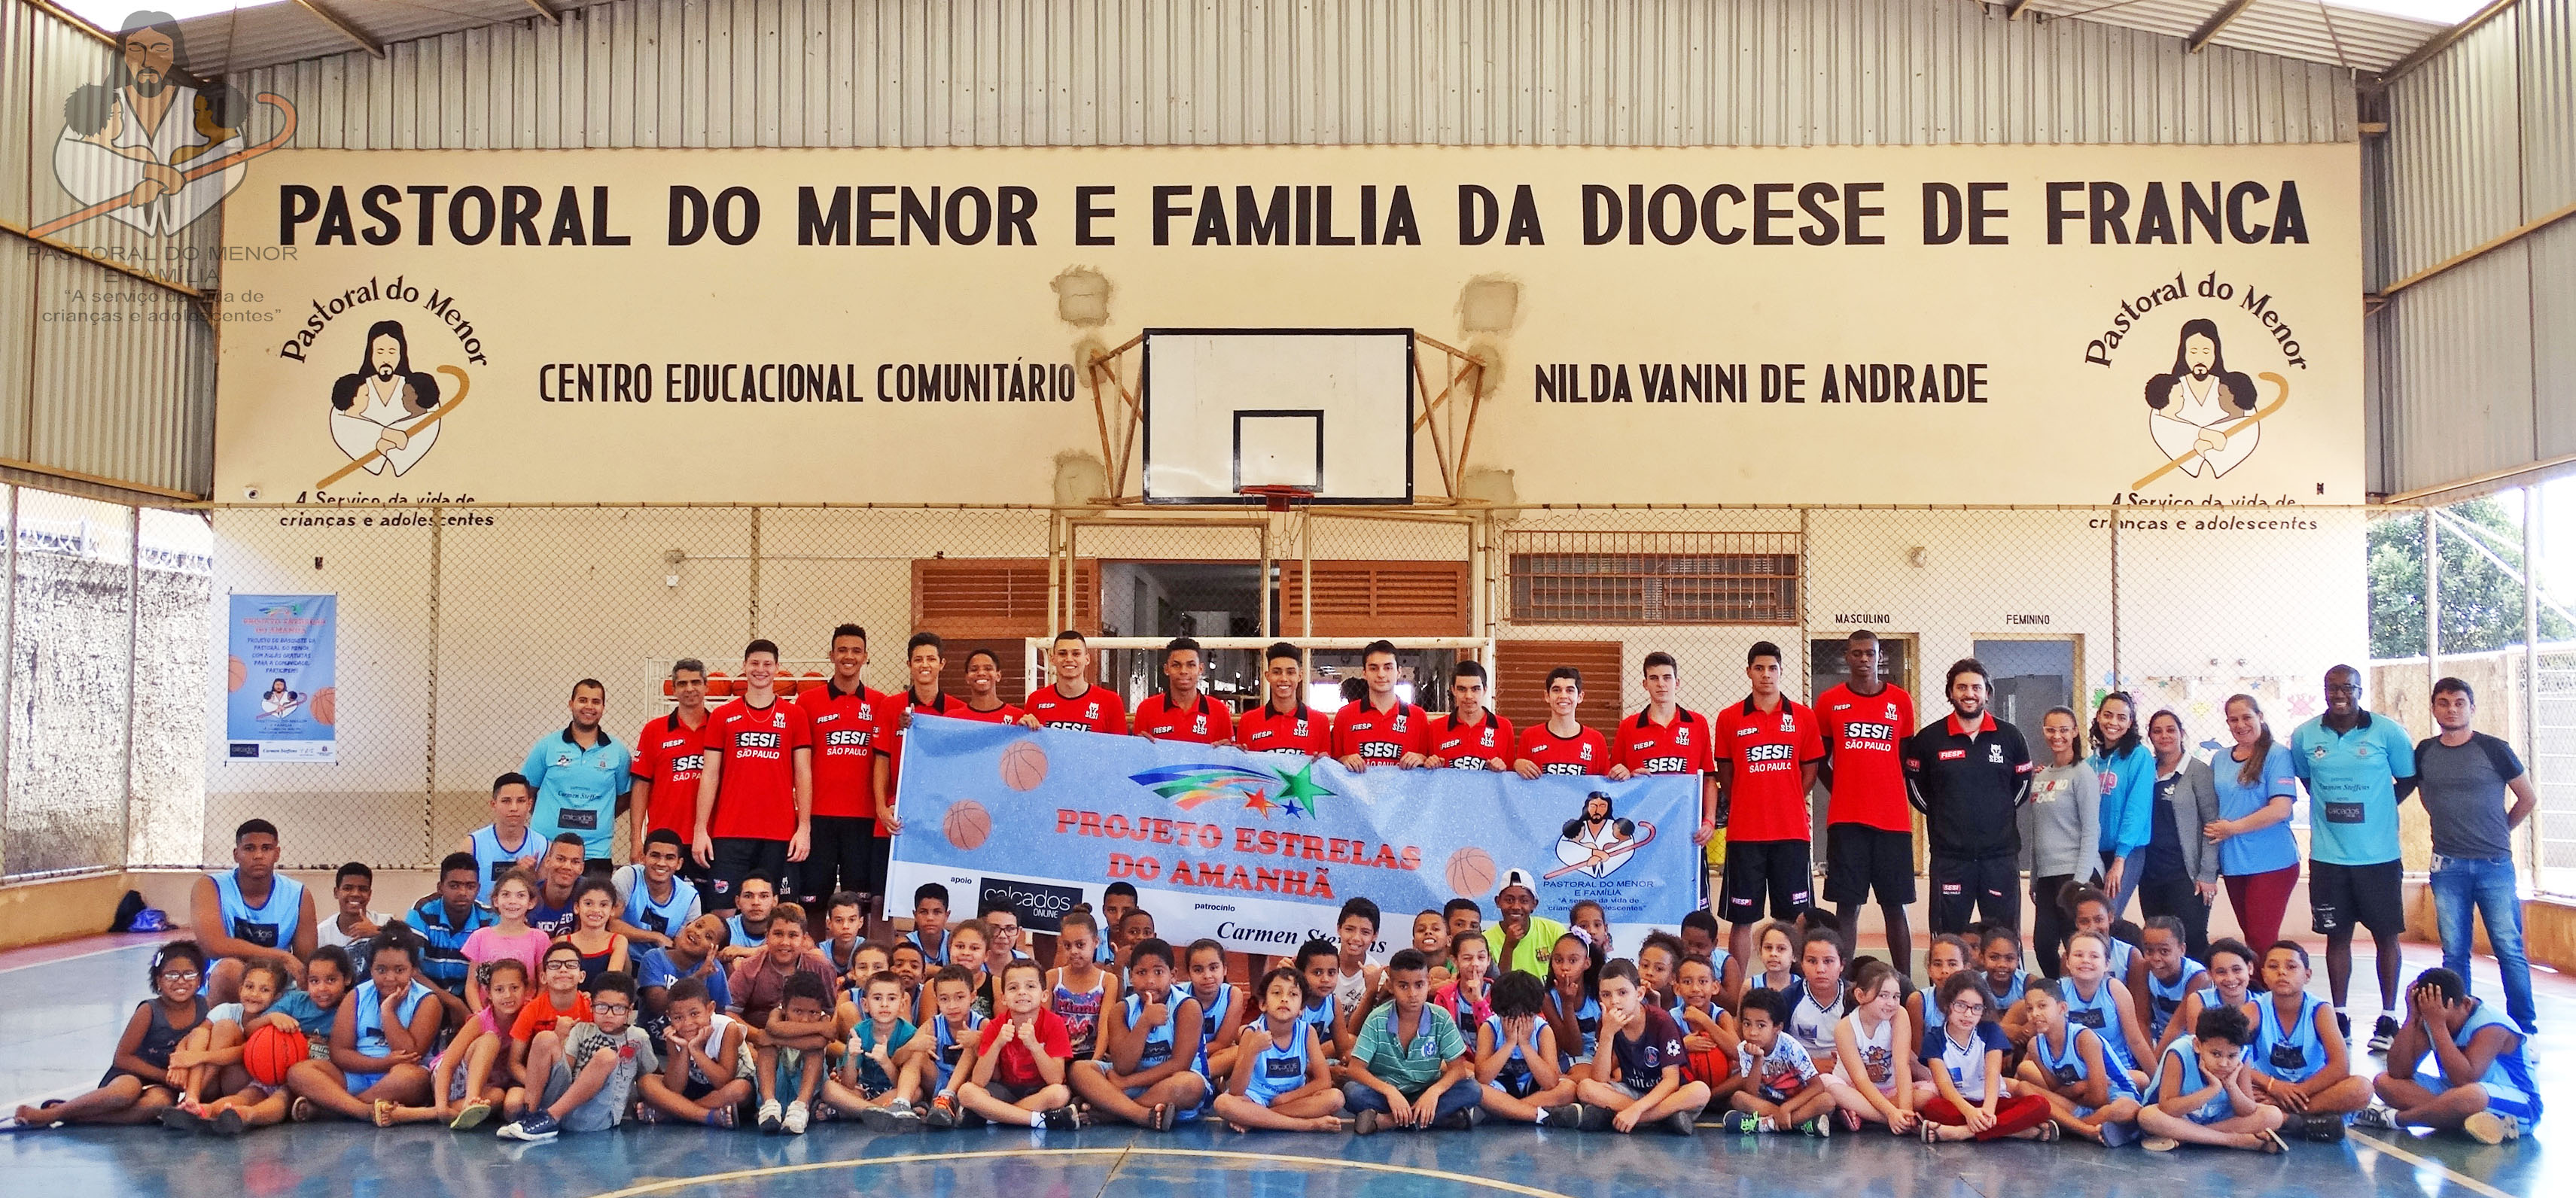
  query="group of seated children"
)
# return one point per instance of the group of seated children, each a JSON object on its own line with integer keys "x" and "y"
{"x": 678, "y": 1017}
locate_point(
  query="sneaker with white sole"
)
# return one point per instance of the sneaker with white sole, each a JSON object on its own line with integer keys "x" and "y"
{"x": 2378, "y": 1115}
{"x": 798, "y": 1114}
{"x": 771, "y": 1117}
{"x": 2488, "y": 1127}
{"x": 2383, "y": 1034}
{"x": 540, "y": 1128}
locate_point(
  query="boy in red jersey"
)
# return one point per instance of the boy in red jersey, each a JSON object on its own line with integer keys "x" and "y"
{"x": 1665, "y": 737}
{"x": 1471, "y": 736}
{"x": 1071, "y": 701}
{"x": 984, "y": 690}
{"x": 1284, "y": 724}
{"x": 1562, "y": 745}
{"x": 1768, "y": 750}
{"x": 1380, "y": 728}
{"x": 849, "y": 735}
{"x": 1869, "y": 827}
{"x": 1182, "y": 711}
{"x": 756, "y": 792}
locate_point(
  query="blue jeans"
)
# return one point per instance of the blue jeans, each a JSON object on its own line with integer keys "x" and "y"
{"x": 2465, "y": 888}
{"x": 1460, "y": 1096}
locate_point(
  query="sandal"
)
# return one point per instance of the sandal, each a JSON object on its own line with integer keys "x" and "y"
{"x": 230, "y": 1122}
{"x": 471, "y": 1117}
{"x": 1161, "y": 1117}
{"x": 2273, "y": 1144}
{"x": 2049, "y": 1132}
{"x": 300, "y": 1111}
{"x": 1931, "y": 1132}
{"x": 385, "y": 1109}
{"x": 722, "y": 1116}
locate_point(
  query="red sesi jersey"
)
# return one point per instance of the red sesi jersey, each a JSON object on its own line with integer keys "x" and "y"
{"x": 1380, "y": 736}
{"x": 1864, "y": 735}
{"x": 1688, "y": 745}
{"x": 671, "y": 755}
{"x": 1583, "y": 753}
{"x": 1472, "y": 746}
{"x": 1098, "y": 709}
{"x": 1007, "y": 713}
{"x": 1766, "y": 797}
{"x": 897, "y": 704}
{"x": 848, "y": 731}
{"x": 1262, "y": 730}
{"x": 1207, "y": 722}
{"x": 756, "y": 792}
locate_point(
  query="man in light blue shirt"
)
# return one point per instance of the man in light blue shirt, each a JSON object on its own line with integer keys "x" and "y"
{"x": 2358, "y": 767}
{"x": 581, "y": 776}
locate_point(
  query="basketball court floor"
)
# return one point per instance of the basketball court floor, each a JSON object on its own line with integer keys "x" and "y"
{"x": 61, "y": 1007}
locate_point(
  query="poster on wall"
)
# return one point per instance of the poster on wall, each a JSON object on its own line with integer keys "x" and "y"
{"x": 1258, "y": 850}
{"x": 2151, "y": 325}
{"x": 279, "y": 701}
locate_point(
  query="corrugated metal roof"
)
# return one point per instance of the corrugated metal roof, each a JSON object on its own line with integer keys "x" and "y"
{"x": 2349, "y": 37}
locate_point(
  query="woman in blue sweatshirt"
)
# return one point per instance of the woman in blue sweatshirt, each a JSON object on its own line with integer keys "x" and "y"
{"x": 2127, "y": 773}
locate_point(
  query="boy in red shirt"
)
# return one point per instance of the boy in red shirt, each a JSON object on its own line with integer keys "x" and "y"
{"x": 1768, "y": 749}
{"x": 1380, "y": 728}
{"x": 984, "y": 691}
{"x": 1667, "y": 738}
{"x": 849, "y": 731}
{"x": 756, "y": 794}
{"x": 1020, "y": 1061}
{"x": 1182, "y": 711}
{"x": 1869, "y": 828}
{"x": 1562, "y": 746}
{"x": 1071, "y": 701}
{"x": 1284, "y": 724}
{"x": 1472, "y": 736}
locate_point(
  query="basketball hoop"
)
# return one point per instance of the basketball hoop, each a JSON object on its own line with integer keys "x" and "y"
{"x": 1276, "y": 496}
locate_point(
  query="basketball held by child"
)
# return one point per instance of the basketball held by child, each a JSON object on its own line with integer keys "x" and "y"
{"x": 967, "y": 824}
{"x": 1024, "y": 766}
{"x": 269, "y": 1051}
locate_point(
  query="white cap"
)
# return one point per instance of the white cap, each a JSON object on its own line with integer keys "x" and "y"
{"x": 1520, "y": 878}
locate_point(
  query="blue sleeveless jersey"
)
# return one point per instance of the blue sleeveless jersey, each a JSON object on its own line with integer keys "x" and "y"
{"x": 2163, "y": 1000}
{"x": 2102, "y": 1014}
{"x": 2183, "y": 1061}
{"x": 1514, "y": 1078}
{"x": 2511, "y": 1078}
{"x": 492, "y": 858}
{"x": 2068, "y": 1068}
{"x": 950, "y": 1048}
{"x": 369, "y": 1005}
{"x": 1158, "y": 1042}
{"x": 2294, "y": 1053}
{"x": 270, "y": 925}
{"x": 1275, "y": 1070}
{"x": 666, "y": 916}
{"x": 1212, "y": 1018}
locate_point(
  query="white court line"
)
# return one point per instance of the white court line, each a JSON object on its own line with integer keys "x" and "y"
{"x": 97, "y": 952}
{"x": 2376, "y": 1145}
{"x": 73, "y": 1091}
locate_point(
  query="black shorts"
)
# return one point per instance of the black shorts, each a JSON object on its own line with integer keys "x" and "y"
{"x": 1776, "y": 869}
{"x": 846, "y": 854}
{"x": 737, "y": 856}
{"x": 2372, "y": 896}
{"x": 1860, "y": 858}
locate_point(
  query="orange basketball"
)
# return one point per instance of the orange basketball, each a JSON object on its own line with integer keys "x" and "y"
{"x": 967, "y": 824}
{"x": 325, "y": 705}
{"x": 1471, "y": 873}
{"x": 1024, "y": 765}
{"x": 270, "y": 1050}
{"x": 236, "y": 672}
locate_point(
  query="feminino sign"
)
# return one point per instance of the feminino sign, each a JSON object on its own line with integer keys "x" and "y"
{"x": 2022, "y": 324}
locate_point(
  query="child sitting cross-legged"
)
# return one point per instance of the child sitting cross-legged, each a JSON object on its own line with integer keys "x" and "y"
{"x": 1636, "y": 1078}
{"x": 1280, "y": 1082}
{"x": 2203, "y": 1094}
{"x": 880, "y": 1075}
{"x": 1408, "y": 1064}
{"x": 707, "y": 1064}
{"x": 589, "y": 1072}
{"x": 1021, "y": 1058}
{"x": 1776, "y": 1087}
{"x": 1516, "y": 1057}
{"x": 2072, "y": 1067}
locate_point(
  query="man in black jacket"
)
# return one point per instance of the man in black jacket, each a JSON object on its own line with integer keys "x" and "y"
{"x": 1969, "y": 773}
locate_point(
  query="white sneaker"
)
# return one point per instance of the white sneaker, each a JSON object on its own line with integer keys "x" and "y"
{"x": 2377, "y": 1115}
{"x": 797, "y": 1114}
{"x": 769, "y": 1116}
{"x": 2487, "y": 1127}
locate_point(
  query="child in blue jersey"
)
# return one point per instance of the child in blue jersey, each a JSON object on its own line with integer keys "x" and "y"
{"x": 2069, "y": 1065}
{"x": 755, "y": 899}
{"x": 2232, "y": 969}
{"x": 949, "y": 1039}
{"x": 1700, "y": 938}
{"x": 1949, "y": 954}
{"x": 1573, "y": 1004}
{"x": 1280, "y": 1081}
{"x": 880, "y": 1076}
{"x": 845, "y": 918}
{"x": 653, "y": 900}
{"x": 1516, "y": 1058}
{"x": 706, "y": 1063}
{"x": 506, "y": 843}
{"x": 310, "y": 1009}
{"x": 1777, "y": 943}
{"x": 930, "y": 923}
{"x": 137, "y": 1086}
{"x": 1148, "y": 1071}
{"x": 2457, "y": 1064}
{"x": 1222, "y": 1008}
{"x": 1319, "y": 961}
{"x": 2300, "y": 1061}
{"x": 692, "y": 954}
{"x": 1708, "y": 1028}
{"x": 385, "y": 1031}
{"x": 2170, "y": 976}
{"x": 2096, "y": 1000}
{"x": 2203, "y": 1092}
{"x": 851, "y": 1010}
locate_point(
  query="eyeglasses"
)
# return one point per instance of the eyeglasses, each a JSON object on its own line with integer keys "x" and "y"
{"x": 179, "y": 975}
{"x": 603, "y": 1008}
{"x": 552, "y": 966}
{"x": 1968, "y": 1006}
{"x": 2335, "y": 689}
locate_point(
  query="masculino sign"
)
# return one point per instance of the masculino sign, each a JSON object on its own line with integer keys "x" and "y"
{"x": 1978, "y": 324}
{"x": 1258, "y": 850}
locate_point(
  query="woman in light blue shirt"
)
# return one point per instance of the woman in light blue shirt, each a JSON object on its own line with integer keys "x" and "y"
{"x": 2258, "y": 855}
{"x": 2126, "y": 773}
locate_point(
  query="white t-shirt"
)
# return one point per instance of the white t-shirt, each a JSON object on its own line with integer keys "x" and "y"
{"x": 330, "y": 934}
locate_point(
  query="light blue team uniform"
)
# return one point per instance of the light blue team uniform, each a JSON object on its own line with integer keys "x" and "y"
{"x": 2122, "y": 952}
{"x": 368, "y": 1004}
{"x": 2102, "y": 1014}
{"x": 935, "y": 960}
{"x": 2067, "y": 1067}
{"x": 950, "y": 1048}
{"x": 2163, "y": 1000}
{"x": 1276, "y": 1071}
{"x": 1321, "y": 1019}
{"x": 1158, "y": 1049}
{"x": 1587, "y": 1021}
{"x": 1211, "y": 1018}
{"x": 665, "y": 917}
{"x": 1515, "y": 1078}
{"x": 2294, "y": 1053}
{"x": 493, "y": 859}
{"x": 2511, "y": 1078}
{"x": 738, "y": 936}
{"x": 2352, "y": 790}
{"x": 2264, "y": 849}
{"x": 2183, "y": 1058}
{"x": 577, "y": 788}
{"x": 2011, "y": 994}
{"x": 272, "y": 924}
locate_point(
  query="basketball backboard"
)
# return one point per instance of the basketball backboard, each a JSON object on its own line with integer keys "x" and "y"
{"x": 1329, "y": 410}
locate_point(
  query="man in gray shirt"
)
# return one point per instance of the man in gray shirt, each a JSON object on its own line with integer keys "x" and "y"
{"x": 2463, "y": 779}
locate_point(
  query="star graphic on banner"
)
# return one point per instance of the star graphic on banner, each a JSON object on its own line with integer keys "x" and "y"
{"x": 1302, "y": 791}
{"x": 1259, "y": 804}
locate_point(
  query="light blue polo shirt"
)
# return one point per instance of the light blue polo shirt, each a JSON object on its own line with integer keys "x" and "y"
{"x": 2352, "y": 787}
{"x": 577, "y": 788}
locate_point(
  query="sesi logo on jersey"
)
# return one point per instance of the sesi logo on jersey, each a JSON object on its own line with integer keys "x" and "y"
{"x": 1382, "y": 750}
{"x": 845, "y": 738}
{"x": 689, "y": 764}
{"x": 1859, "y": 735}
{"x": 1770, "y": 757}
{"x": 1666, "y": 765}
{"x": 1069, "y": 725}
{"x": 1563, "y": 767}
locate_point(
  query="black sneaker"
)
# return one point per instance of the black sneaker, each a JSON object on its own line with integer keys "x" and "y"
{"x": 1597, "y": 1118}
{"x": 1569, "y": 1116}
{"x": 1682, "y": 1123}
{"x": 2319, "y": 1128}
{"x": 1063, "y": 1118}
{"x": 2382, "y": 1035}
{"x": 2345, "y": 1022}
{"x": 1463, "y": 1119}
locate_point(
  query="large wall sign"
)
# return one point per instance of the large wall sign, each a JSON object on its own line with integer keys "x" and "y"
{"x": 1258, "y": 850}
{"x": 1952, "y": 324}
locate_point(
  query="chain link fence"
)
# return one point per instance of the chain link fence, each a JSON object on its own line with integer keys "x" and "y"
{"x": 463, "y": 630}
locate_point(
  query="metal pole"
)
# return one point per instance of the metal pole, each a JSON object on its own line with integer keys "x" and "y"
{"x": 2432, "y": 602}
{"x": 429, "y": 757}
{"x": 2116, "y": 677}
{"x": 1306, "y": 576}
{"x": 2531, "y": 658}
{"x": 9, "y": 643}
{"x": 133, "y": 632}
{"x": 755, "y": 573}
